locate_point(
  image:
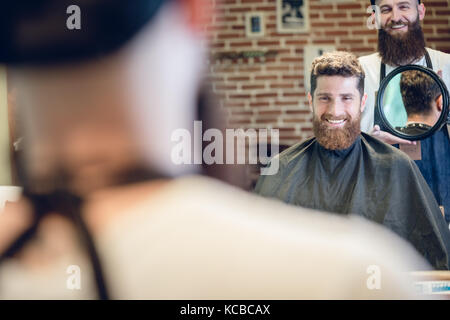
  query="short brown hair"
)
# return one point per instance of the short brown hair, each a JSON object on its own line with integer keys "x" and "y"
{"x": 338, "y": 63}
{"x": 418, "y": 91}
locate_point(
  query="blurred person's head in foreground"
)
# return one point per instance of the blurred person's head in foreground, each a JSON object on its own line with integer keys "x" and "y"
{"x": 337, "y": 99}
{"x": 101, "y": 101}
{"x": 101, "y": 85}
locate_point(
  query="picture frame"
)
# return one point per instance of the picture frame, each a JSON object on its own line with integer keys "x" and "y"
{"x": 310, "y": 52}
{"x": 254, "y": 24}
{"x": 292, "y": 16}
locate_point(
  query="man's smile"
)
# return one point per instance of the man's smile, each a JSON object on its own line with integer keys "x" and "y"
{"x": 336, "y": 123}
{"x": 398, "y": 27}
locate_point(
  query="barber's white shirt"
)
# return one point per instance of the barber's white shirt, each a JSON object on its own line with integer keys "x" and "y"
{"x": 371, "y": 65}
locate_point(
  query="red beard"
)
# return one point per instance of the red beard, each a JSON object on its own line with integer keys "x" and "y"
{"x": 336, "y": 138}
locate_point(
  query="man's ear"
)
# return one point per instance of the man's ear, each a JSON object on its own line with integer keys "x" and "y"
{"x": 363, "y": 102}
{"x": 198, "y": 13}
{"x": 421, "y": 9}
{"x": 310, "y": 102}
{"x": 439, "y": 104}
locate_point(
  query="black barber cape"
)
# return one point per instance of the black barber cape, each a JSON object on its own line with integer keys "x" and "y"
{"x": 371, "y": 179}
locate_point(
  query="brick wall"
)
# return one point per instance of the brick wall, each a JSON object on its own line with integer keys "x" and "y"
{"x": 269, "y": 92}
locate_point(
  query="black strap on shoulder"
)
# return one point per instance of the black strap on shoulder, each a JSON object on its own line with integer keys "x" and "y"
{"x": 68, "y": 204}
{"x": 428, "y": 60}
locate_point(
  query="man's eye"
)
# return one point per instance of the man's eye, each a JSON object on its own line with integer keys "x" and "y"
{"x": 385, "y": 10}
{"x": 348, "y": 98}
{"x": 323, "y": 98}
{"x": 404, "y": 7}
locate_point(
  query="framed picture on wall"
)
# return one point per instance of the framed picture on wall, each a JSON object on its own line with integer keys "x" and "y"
{"x": 292, "y": 16}
{"x": 254, "y": 24}
{"x": 310, "y": 52}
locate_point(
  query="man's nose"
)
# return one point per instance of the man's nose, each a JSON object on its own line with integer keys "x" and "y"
{"x": 336, "y": 109}
{"x": 395, "y": 15}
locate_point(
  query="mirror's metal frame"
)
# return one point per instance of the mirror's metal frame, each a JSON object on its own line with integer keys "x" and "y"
{"x": 443, "y": 119}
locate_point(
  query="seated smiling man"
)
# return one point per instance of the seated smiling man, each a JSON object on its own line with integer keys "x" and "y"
{"x": 345, "y": 171}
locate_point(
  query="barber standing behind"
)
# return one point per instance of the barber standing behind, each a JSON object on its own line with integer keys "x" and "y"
{"x": 400, "y": 42}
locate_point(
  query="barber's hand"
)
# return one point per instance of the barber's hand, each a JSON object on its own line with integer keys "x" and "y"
{"x": 387, "y": 137}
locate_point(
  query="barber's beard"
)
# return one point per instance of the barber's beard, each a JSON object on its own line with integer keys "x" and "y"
{"x": 402, "y": 49}
{"x": 336, "y": 138}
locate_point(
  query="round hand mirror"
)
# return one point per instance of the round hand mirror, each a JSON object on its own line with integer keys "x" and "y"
{"x": 413, "y": 102}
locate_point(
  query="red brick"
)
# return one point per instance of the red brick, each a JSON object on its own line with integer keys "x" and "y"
{"x": 291, "y": 59}
{"x": 266, "y": 8}
{"x": 298, "y": 111}
{"x": 270, "y": 112}
{"x": 239, "y": 96}
{"x": 321, "y": 7}
{"x": 217, "y": 45}
{"x": 226, "y": 87}
{"x": 435, "y": 21}
{"x": 235, "y": 104}
{"x": 335, "y": 15}
{"x": 294, "y": 94}
{"x": 240, "y": 9}
{"x": 290, "y": 77}
{"x": 437, "y": 4}
{"x": 252, "y": 1}
{"x": 281, "y": 85}
{"x": 241, "y": 113}
{"x": 364, "y": 32}
{"x": 336, "y": 33}
{"x": 270, "y": 120}
{"x": 348, "y": 6}
{"x": 226, "y": 18}
{"x": 222, "y": 36}
{"x": 351, "y": 24}
{"x": 241, "y": 121}
{"x": 442, "y": 13}
{"x": 322, "y": 24}
{"x": 240, "y": 78}
{"x": 266, "y": 77}
{"x": 268, "y": 43}
{"x": 259, "y": 104}
{"x": 352, "y": 41}
{"x": 359, "y": 14}
{"x": 252, "y": 87}
{"x": 286, "y": 103}
{"x": 286, "y": 130}
{"x": 322, "y": 41}
{"x": 279, "y": 68}
{"x": 240, "y": 44}
{"x": 266, "y": 95}
{"x": 296, "y": 42}
{"x": 294, "y": 120}
{"x": 443, "y": 31}
{"x": 438, "y": 39}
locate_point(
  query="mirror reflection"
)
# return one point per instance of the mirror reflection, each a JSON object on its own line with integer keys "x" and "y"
{"x": 412, "y": 102}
